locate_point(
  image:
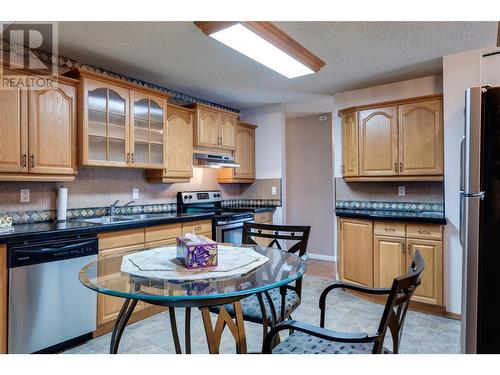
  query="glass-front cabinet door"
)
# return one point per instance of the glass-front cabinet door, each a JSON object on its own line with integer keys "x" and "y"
{"x": 106, "y": 108}
{"x": 147, "y": 132}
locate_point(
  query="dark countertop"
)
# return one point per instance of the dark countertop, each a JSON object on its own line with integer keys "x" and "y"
{"x": 254, "y": 209}
{"x": 48, "y": 230}
{"x": 417, "y": 217}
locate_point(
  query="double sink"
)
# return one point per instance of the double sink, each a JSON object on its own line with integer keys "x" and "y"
{"x": 123, "y": 218}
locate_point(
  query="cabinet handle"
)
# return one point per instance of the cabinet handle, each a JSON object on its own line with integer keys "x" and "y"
{"x": 409, "y": 249}
{"x": 424, "y": 232}
{"x": 402, "y": 247}
{"x": 396, "y": 166}
{"x": 401, "y": 166}
{"x": 342, "y": 169}
{"x": 25, "y": 160}
{"x": 128, "y": 157}
{"x": 389, "y": 229}
{"x": 32, "y": 160}
{"x": 132, "y": 157}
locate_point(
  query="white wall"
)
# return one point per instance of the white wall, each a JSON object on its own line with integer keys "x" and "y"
{"x": 309, "y": 181}
{"x": 270, "y": 148}
{"x": 490, "y": 69}
{"x": 460, "y": 71}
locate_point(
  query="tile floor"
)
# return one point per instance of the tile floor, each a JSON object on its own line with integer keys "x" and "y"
{"x": 422, "y": 333}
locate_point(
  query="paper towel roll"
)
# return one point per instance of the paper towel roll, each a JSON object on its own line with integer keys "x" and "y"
{"x": 62, "y": 203}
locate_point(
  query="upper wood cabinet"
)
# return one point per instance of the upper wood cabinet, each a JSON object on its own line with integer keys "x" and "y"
{"x": 421, "y": 138}
{"x": 350, "y": 145}
{"x": 214, "y": 128}
{"x": 52, "y": 130}
{"x": 38, "y": 133}
{"x": 147, "y": 130}
{"x": 378, "y": 142}
{"x": 244, "y": 155}
{"x": 398, "y": 140}
{"x": 13, "y": 130}
{"x": 179, "y": 144}
{"x": 121, "y": 124}
{"x": 356, "y": 251}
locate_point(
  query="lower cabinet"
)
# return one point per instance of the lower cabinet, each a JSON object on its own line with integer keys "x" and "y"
{"x": 114, "y": 244}
{"x": 390, "y": 254}
{"x": 3, "y": 298}
{"x": 389, "y": 260}
{"x": 431, "y": 289}
{"x": 263, "y": 218}
{"x": 108, "y": 307}
{"x": 355, "y": 253}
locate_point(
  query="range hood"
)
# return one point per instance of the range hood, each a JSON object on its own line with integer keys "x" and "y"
{"x": 214, "y": 161}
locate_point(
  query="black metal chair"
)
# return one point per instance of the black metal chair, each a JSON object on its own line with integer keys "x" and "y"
{"x": 263, "y": 307}
{"x": 309, "y": 339}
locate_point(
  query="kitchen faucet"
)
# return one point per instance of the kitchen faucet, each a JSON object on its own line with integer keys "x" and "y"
{"x": 113, "y": 207}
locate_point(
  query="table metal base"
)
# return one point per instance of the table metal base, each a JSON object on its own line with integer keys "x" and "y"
{"x": 214, "y": 335}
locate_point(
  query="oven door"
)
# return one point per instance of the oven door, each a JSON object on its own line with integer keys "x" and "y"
{"x": 230, "y": 232}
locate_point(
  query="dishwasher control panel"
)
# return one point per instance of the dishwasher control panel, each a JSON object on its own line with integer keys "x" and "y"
{"x": 51, "y": 251}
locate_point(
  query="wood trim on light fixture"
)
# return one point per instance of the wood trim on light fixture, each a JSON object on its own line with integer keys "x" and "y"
{"x": 271, "y": 33}
{"x": 498, "y": 35}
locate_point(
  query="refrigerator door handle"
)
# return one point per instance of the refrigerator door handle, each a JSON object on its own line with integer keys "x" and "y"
{"x": 462, "y": 165}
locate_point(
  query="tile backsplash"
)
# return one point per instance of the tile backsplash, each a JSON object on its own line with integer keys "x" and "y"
{"x": 99, "y": 187}
{"x": 417, "y": 191}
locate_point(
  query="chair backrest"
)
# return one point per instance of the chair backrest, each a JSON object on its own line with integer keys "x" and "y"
{"x": 274, "y": 233}
{"x": 402, "y": 290}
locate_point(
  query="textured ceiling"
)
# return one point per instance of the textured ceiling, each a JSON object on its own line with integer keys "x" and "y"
{"x": 179, "y": 56}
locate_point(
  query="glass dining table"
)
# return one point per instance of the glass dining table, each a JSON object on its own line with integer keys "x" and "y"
{"x": 106, "y": 276}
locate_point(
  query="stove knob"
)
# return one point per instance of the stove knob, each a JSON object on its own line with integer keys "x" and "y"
{"x": 190, "y": 197}
{"x": 185, "y": 197}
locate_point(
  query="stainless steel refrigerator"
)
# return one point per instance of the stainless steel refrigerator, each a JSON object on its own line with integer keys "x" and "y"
{"x": 480, "y": 221}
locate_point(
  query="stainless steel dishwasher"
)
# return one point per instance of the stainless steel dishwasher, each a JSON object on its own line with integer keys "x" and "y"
{"x": 48, "y": 306}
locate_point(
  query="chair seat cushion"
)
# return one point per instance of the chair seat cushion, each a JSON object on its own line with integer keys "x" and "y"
{"x": 251, "y": 307}
{"x": 303, "y": 343}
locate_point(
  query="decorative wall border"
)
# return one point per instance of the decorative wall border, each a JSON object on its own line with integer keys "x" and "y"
{"x": 251, "y": 203}
{"x": 68, "y": 64}
{"x": 393, "y": 206}
{"x": 39, "y": 216}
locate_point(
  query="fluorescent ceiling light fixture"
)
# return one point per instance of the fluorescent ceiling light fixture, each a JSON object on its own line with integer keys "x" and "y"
{"x": 265, "y": 43}
{"x": 250, "y": 44}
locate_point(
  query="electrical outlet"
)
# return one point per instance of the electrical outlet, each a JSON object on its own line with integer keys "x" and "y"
{"x": 273, "y": 190}
{"x": 135, "y": 193}
{"x": 25, "y": 195}
{"x": 401, "y": 190}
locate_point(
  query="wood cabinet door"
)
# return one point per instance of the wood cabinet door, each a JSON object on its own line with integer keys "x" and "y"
{"x": 245, "y": 152}
{"x": 350, "y": 145}
{"x": 389, "y": 260}
{"x": 207, "y": 129}
{"x": 356, "y": 251}
{"x": 431, "y": 289}
{"x": 108, "y": 307}
{"x": 378, "y": 142}
{"x": 179, "y": 162}
{"x": 227, "y": 132}
{"x": 105, "y": 123}
{"x": 52, "y": 130}
{"x": 421, "y": 138}
{"x": 148, "y": 119}
{"x": 13, "y": 131}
